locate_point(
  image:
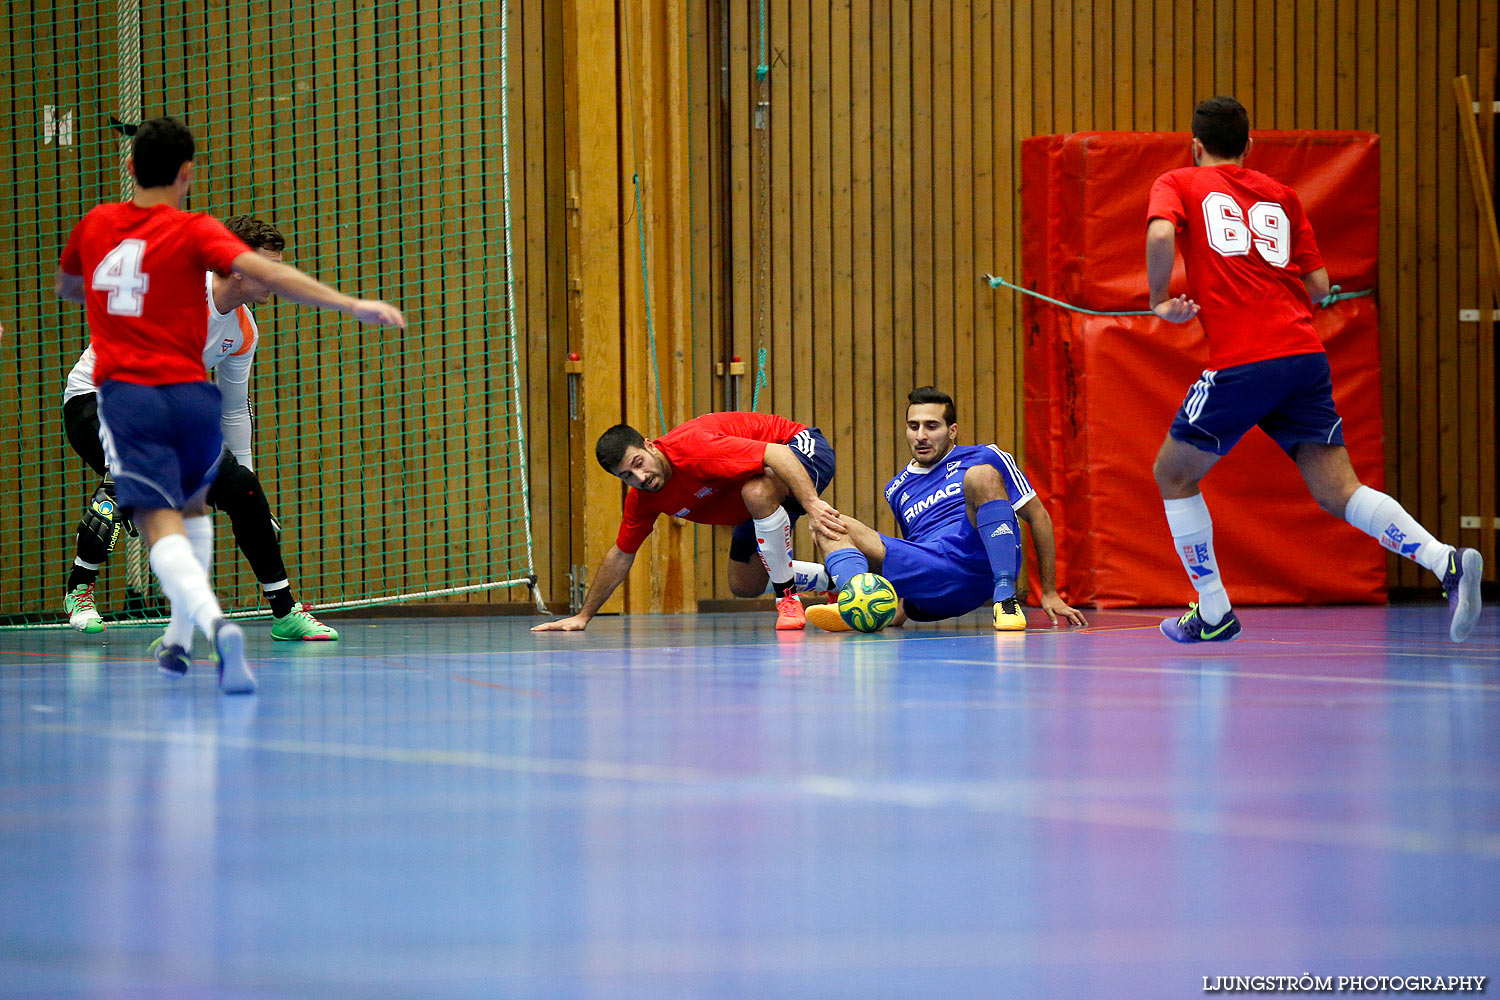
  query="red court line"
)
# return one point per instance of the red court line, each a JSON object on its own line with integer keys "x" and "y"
{"x": 463, "y": 679}
{"x": 74, "y": 654}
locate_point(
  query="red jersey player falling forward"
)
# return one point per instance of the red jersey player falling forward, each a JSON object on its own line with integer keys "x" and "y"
{"x": 1253, "y": 271}
{"x": 138, "y": 268}
{"x": 756, "y": 471}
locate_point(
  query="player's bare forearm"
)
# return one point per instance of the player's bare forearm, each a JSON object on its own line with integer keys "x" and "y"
{"x": 1317, "y": 285}
{"x": 1161, "y": 251}
{"x": 1044, "y": 542}
{"x": 612, "y": 571}
{"x": 291, "y": 284}
{"x": 782, "y": 461}
{"x": 68, "y": 287}
{"x": 303, "y": 289}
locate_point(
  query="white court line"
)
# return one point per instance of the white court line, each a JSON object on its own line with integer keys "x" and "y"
{"x": 1257, "y": 675}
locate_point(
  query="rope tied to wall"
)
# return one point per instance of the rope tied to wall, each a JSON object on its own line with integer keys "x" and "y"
{"x": 1335, "y": 295}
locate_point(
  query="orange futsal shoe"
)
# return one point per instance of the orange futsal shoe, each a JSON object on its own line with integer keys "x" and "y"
{"x": 789, "y": 615}
{"x": 827, "y": 618}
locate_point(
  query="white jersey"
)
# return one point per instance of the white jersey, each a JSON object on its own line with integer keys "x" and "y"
{"x": 228, "y": 353}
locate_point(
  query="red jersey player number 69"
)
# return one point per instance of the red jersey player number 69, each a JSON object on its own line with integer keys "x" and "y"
{"x": 1268, "y": 229}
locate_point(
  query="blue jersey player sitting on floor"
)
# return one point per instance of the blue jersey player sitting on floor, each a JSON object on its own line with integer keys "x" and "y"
{"x": 961, "y": 543}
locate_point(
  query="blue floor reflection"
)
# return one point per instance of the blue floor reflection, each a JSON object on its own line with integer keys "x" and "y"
{"x": 699, "y": 806}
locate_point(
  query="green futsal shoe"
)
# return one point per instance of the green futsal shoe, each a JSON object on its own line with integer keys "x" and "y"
{"x": 298, "y": 625}
{"x": 82, "y": 615}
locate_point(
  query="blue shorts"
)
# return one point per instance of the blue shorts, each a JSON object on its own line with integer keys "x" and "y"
{"x": 1291, "y": 399}
{"x": 940, "y": 577}
{"x": 816, "y": 455}
{"x": 162, "y": 442}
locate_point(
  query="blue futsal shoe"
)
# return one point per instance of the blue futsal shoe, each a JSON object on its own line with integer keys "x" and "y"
{"x": 1461, "y": 587}
{"x": 172, "y": 658}
{"x": 1192, "y": 628}
{"x": 234, "y": 672}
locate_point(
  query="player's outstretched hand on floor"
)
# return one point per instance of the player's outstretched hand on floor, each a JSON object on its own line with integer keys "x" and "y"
{"x": 1176, "y": 310}
{"x": 378, "y": 313}
{"x": 826, "y": 519}
{"x": 1057, "y": 608}
{"x": 577, "y": 623}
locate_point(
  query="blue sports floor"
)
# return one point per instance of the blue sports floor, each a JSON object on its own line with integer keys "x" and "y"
{"x": 697, "y": 806}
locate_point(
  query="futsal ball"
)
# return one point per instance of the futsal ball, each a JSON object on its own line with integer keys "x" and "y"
{"x": 867, "y": 603}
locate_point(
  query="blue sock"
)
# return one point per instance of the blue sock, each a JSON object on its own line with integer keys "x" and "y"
{"x": 996, "y": 523}
{"x": 845, "y": 564}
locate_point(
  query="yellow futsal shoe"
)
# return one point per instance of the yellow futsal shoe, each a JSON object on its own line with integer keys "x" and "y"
{"x": 827, "y": 617}
{"x": 1009, "y": 617}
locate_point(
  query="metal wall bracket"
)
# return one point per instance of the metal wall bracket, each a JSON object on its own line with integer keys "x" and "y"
{"x": 578, "y": 588}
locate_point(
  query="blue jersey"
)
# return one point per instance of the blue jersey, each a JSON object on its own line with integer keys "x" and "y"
{"x": 929, "y": 502}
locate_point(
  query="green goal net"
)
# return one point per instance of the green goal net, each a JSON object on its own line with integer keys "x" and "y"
{"x": 374, "y": 135}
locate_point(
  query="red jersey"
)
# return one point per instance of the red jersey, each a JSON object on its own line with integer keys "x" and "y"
{"x": 712, "y": 456}
{"x": 1246, "y": 243}
{"x": 143, "y": 288}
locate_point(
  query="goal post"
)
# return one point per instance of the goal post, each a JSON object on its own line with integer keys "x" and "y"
{"x": 369, "y": 134}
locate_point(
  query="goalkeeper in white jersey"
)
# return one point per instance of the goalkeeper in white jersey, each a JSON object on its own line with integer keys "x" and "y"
{"x": 229, "y": 352}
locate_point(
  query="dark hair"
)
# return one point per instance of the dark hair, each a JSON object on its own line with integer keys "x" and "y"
{"x": 162, "y": 146}
{"x": 256, "y": 235}
{"x": 1223, "y": 126}
{"x": 610, "y": 451}
{"x": 928, "y": 394}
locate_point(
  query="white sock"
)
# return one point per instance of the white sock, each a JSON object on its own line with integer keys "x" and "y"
{"x": 84, "y": 565}
{"x": 179, "y": 630}
{"x": 773, "y": 538}
{"x": 1193, "y": 534}
{"x": 1386, "y": 521}
{"x": 200, "y": 535}
{"x": 807, "y": 577}
{"x": 185, "y": 583}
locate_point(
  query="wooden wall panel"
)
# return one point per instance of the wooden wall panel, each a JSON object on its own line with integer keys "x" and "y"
{"x": 956, "y": 85}
{"x": 864, "y": 382}
{"x": 904, "y": 184}
{"x": 882, "y": 327}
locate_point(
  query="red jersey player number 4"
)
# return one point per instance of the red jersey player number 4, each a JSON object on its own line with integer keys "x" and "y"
{"x": 130, "y": 253}
{"x": 138, "y": 269}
